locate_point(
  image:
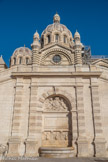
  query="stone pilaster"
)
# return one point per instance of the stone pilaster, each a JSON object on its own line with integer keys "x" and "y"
{"x": 74, "y": 130}
{"x": 34, "y": 126}
{"x": 82, "y": 140}
{"x": 99, "y": 140}
{"x": 14, "y": 141}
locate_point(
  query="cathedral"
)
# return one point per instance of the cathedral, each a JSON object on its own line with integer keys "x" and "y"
{"x": 54, "y": 98}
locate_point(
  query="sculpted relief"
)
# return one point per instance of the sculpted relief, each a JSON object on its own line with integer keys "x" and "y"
{"x": 57, "y": 138}
{"x": 55, "y": 104}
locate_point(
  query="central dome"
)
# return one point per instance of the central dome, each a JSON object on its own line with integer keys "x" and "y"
{"x": 56, "y": 33}
{"x": 57, "y": 26}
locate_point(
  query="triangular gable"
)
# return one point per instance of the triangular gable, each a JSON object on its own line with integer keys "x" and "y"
{"x": 55, "y": 45}
{"x": 101, "y": 62}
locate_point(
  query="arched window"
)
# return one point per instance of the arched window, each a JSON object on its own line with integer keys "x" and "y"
{"x": 57, "y": 37}
{"x": 48, "y": 38}
{"x": 20, "y": 60}
{"x": 27, "y": 60}
{"x": 14, "y": 61}
{"x": 42, "y": 42}
{"x": 65, "y": 39}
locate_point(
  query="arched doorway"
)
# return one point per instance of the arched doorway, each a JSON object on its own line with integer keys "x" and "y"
{"x": 57, "y": 122}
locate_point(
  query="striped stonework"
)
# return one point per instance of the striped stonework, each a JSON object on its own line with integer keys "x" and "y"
{"x": 34, "y": 125}
{"x": 14, "y": 141}
{"x": 99, "y": 141}
{"x": 32, "y": 110}
{"x": 82, "y": 140}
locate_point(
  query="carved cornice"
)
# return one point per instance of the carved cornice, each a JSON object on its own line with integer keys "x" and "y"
{"x": 56, "y": 74}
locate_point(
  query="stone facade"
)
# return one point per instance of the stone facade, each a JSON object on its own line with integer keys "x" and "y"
{"x": 50, "y": 101}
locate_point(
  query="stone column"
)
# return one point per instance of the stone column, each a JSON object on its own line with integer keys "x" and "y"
{"x": 82, "y": 140}
{"x": 15, "y": 140}
{"x": 34, "y": 125}
{"x": 52, "y": 40}
{"x": 99, "y": 140}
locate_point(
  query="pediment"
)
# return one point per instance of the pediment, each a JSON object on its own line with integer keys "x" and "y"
{"x": 101, "y": 62}
{"x": 56, "y": 45}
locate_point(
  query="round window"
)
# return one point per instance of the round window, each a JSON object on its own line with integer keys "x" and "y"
{"x": 57, "y": 58}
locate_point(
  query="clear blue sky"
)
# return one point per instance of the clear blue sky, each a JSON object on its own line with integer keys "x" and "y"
{"x": 19, "y": 19}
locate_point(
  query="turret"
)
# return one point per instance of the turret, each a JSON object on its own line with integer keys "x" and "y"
{"x": 78, "y": 49}
{"x": 35, "y": 48}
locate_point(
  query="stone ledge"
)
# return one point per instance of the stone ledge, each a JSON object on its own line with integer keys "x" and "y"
{"x": 63, "y": 74}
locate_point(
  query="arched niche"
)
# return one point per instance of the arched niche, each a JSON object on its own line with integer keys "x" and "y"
{"x": 57, "y": 122}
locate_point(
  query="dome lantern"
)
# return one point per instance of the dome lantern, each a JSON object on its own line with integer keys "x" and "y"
{"x": 56, "y": 18}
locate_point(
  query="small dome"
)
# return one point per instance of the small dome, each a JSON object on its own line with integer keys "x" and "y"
{"x": 56, "y": 18}
{"x": 21, "y": 56}
{"x": 22, "y": 51}
{"x": 76, "y": 35}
